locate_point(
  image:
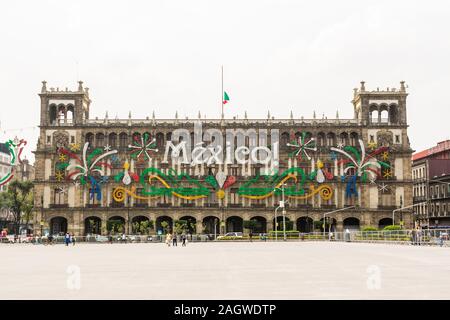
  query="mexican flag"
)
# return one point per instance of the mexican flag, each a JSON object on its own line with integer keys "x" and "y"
{"x": 226, "y": 98}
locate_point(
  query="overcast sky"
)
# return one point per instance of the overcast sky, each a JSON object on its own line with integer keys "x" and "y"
{"x": 280, "y": 55}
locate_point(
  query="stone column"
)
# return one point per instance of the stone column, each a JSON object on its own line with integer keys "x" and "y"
{"x": 199, "y": 227}
{"x": 339, "y": 224}
{"x": 269, "y": 225}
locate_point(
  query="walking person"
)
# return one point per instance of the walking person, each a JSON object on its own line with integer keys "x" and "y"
{"x": 50, "y": 239}
{"x": 250, "y": 235}
{"x": 124, "y": 238}
{"x": 72, "y": 239}
{"x": 168, "y": 239}
{"x": 174, "y": 240}
{"x": 419, "y": 235}
{"x": 110, "y": 238}
{"x": 183, "y": 240}
{"x": 413, "y": 236}
{"x": 67, "y": 238}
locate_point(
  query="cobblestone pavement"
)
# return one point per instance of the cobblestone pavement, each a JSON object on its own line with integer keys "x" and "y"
{"x": 292, "y": 270}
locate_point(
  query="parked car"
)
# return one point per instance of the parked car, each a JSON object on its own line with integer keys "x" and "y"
{"x": 231, "y": 234}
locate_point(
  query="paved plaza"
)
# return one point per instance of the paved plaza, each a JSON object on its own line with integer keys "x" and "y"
{"x": 292, "y": 270}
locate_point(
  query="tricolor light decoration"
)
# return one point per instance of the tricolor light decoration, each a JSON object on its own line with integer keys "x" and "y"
{"x": 221, "y": 182}
{"x": 364, "y": 164}
{"x": 142, "y": 146}
{"x": 88, "y": 164}
{"x": 226, "y": 98}
{"x": 15, "y": 149}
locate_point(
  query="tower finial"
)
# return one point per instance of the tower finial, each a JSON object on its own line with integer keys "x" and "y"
{"x": 363, "y": 87}
{"x": 314, "y": 114}
{"x": 44, "y": 86}
{"x": 199, "y": 115}
{"x": 245, "y": 115}
{"x": 402, "y": 86}
{"x": 292, "y": 115}
{"x": 129, "y": 114}
{"x": 153, "y": 115}
{"x": 337, "y": 114}
{"x": 80, "y": 86}
{"x": 268, "y": 114}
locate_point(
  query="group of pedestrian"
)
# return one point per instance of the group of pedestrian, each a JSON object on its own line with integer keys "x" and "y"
{"x": 174, "y": 240}
{"x": 68, "y": 238}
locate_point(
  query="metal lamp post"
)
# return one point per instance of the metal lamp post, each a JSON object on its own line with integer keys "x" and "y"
{"x": 334, "y": 211}
{"x": 42, "y": 214}
{"x": 282, "y": 206}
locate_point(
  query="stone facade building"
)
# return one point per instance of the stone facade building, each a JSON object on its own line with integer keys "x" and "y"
{"x": 317, "y": 159}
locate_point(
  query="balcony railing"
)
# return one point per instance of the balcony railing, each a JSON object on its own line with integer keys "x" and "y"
{"x": 258, "y": 205}
{"x": 328, "y": 206}
{"x": 58, "y": 205}
{"x": 141, "y": 205}
{"x": 387, "y": 207}
{"x": 93, "y": 205}
{"x": 188, "y": 205}
{"x": 117, "y": 205}
{"x": 212, "y": 205}
{"x": 164, "y": 205}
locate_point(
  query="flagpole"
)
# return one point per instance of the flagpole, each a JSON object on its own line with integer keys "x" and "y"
{"x": 222, "y": 94}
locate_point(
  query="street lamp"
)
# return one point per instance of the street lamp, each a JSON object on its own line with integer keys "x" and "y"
{"x": 403, "y": 208}
{"x": 401, "y": 214}
{"x": 42, "y": 214}
{"x": 334, "y": 211}
{"x": 282, "y": 206}
{"x": 215, "y": 228}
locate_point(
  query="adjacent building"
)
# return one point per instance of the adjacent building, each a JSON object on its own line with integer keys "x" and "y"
{"x": 431, "y": 190}
{"x": 93, "y": 174}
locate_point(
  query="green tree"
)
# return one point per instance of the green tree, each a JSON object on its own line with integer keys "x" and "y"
{"x": 251, "y": 224}
{"x": 185, "y": 226}
{"x": 142, "y": 227}
{"x": 115, "y": 226}
{"x": 18, "y": 199}
{"x": 317, "y": 225}
{"x": 165, "y": 226}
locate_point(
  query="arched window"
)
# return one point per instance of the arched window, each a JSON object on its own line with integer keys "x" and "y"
{"x": 112, "y": 141}
{"x": 123, "y": 140}
{"x": 100, "y": 140}
{"x": 160, "y": 140}
{"x": 284, "y": 139}
{"x": 353, "y": 139}
{"x": 374, "y": 114}
{"x": 344, "y": 138}
{"x": 321, "y": 139}
{"x": 393, "y": 114}
{"x": 61, "y": 113}
{"x": 52, "y": 114}
{"x": 70, "y": 113}
{"x": 89, "y": 138}
{"x": 384, "y": 115}
{"x": 331, "y": 139}
{"x": 136, "y": 137}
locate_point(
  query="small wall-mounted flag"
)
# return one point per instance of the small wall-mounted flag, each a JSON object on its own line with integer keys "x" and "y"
{"x": 226, "y": 98}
